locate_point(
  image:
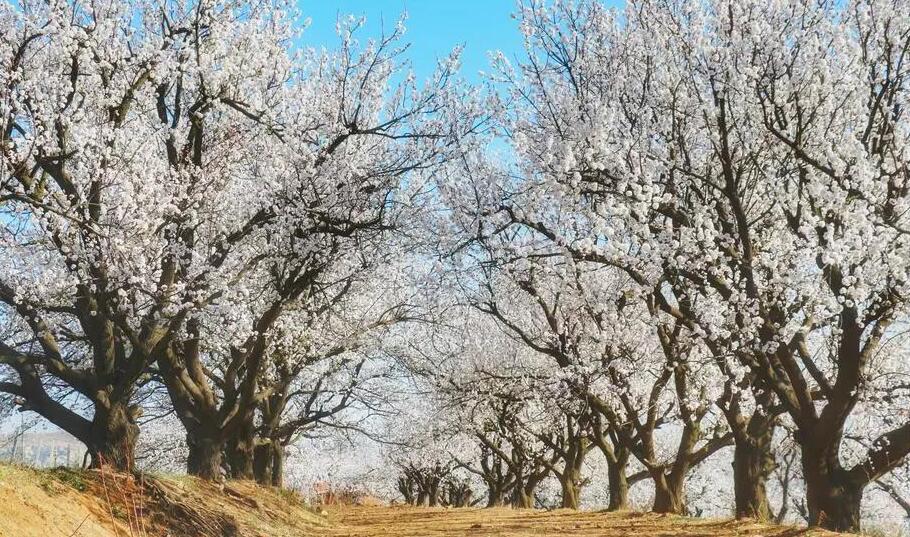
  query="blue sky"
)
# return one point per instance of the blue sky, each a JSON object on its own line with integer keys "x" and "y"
{"x": 434, "y": 27}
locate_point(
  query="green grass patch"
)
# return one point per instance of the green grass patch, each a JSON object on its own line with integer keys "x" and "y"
{"x": 75, "y": 479}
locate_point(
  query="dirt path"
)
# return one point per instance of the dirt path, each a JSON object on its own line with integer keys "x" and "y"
{"x": 411, "y": 522}
{"x": 70, "y": 503}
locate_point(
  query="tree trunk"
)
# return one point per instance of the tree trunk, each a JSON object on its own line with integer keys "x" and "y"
{"x": 277, "y": 464}
{"x": 240, "y": 453}
{"x": 112, "y": 436}
{"x": 522, "y": 498}
{"x": 570, "y": 479}
{"x": 206, "y": 449}
{"x": 406, "y": 488}
{"x": 494, "y": 495}
{"x": 568, "y": 483}
{"x": 669, "y": 495}
{"x": 833, "y": 499}
{"x": 753, "y": 455}
{"x": 523, "y": 493}
{"x": 268, "y": 463}
{"x": 618, "y": 483}
{"x": 753, "y": 462}
{"x": 262, "y": 463}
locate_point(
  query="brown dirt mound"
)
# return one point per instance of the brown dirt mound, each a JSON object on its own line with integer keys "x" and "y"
{"x": 68, "y": 503}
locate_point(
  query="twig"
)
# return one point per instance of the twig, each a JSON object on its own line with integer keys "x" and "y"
{"x": 76, "y": 531}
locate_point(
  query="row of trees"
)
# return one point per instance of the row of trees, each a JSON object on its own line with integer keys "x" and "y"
{"x": 662, "y": 233}
{"x": 192, "y": 209}
{"x": 697, "y": 240}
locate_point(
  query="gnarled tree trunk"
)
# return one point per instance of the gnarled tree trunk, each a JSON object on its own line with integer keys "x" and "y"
{"x": 240, "y": 453}
{"x": 753, "y": 455}
{"x": 522, "y": 498}
{"x": 112, "y": 436}
{"x": 753, "y": 462}
{"x": 618, "y": 481}
{"x": 568, "y": 484}
{"x": 206, "y": 449}
{"x": 523, "y": 491}
{"x": 268, "y": 462}
{"x": 495, "y": 495}
{"x": 570, "y": 477}
{"x": 834, "y": 504}
{"x": 433, "y": 492}
{"x": 262, "y": 462}
{"x": 669, "y": 495}
{"x": 422, "y": 497}
{"x": 833, "y": 497}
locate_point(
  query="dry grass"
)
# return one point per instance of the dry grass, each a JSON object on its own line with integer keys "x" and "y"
{"x": 36, "y": 504}
{"x": 67, "y": 503}
{"x": 412, "y": 522}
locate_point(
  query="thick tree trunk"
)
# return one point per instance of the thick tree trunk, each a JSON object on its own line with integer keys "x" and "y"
{"x": 753, "y": 455}
{"x": 617, "y": 457}
{"x": 523, "y": 492}
{"x": 494, "y": 495}
{"x": 531, "y": 488}
{"x": 262, "y": 463}
{"x": 406, "y": 488}
{"x": 618, "y": 483}
{"x": 240, "y": 454}
{"x": 268, "y": 463}
{"x": 433, "y": 494}
{"x": 753, "y": 462}
{"x": 522, "y": 498}
{"x": 833, "y": 499}
{"x": 669, "y": 496}
{"x": 206, "y": 450}
{"x": 568, "y": 483}
{"x": 570, "y": 478}
{"x": 834, "y": 504}
{"x": 569, "y": 495}
{"x": 112, "y": 436}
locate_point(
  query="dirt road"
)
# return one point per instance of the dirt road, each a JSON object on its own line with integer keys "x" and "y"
{"x": 72, "y": 503}
{"x": 411, "y": 522}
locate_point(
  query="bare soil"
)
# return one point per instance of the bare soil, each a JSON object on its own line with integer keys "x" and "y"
{"x": 414, "y": 522}
{"x": 68, "y": 503}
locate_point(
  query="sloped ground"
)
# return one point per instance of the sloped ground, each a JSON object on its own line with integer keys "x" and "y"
{"x": 66, "y": 503}
{"x": 411, "y": 522}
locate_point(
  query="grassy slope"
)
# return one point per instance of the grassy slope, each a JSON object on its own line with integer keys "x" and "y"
{"x": 65, "y": 503}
